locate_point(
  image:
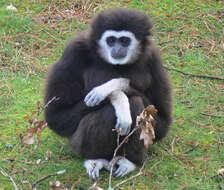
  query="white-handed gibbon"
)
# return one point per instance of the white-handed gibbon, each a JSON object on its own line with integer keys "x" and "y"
{"x": 106, "y": 76}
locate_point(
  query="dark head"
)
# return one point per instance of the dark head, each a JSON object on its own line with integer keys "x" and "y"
{"x": 119, "y": 34}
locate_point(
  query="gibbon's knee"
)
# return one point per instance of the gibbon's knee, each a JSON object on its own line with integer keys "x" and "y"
{"x": 162, "y": 122}
{"x": 94, "y": 137}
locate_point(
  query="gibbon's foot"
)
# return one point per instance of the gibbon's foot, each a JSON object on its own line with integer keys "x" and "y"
{"x": 93, "y": 167}
{"x": 123, "y": 167}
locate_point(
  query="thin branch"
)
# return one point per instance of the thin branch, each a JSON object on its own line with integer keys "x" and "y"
{"x": 50, "y": 101}
{"x": 93, "y": 186}
{"x": 41, "y": 109}
{"x": 11, "y": 179}
{"x": 172, "y": 144}
{"x": 211, "y": 115}
{"x": 165, "y": 42}
{"x": 114, "y": 161}
{"x": 191, "y": 149}
{"x": 45, "y": 177}
{"x": 195, "y": 75}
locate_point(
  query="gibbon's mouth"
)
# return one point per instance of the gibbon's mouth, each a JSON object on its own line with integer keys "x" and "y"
{"x": 119, "y": 61}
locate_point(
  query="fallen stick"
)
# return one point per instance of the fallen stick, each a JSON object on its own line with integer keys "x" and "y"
{"x": 195, "y": 75}
{"x": 211, "y": 115}
{"x": 47, "y": 176}
{"x": 11, "y": 179}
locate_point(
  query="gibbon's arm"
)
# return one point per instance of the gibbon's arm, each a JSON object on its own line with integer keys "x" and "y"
{"x": 120, "y": 102}
{"x": 65, "y": 82}
{"x": 99, "y": 93}
{"x": 159, "y": 94}
{"x": 114, "y": 90}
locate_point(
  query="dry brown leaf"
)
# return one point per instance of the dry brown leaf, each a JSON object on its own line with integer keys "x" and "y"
{"x": 37, "y": 126}
{"x": 221, "y": 171}
{"x": 146, "y": 122}
{"x": 56, "y": 186}
{"x": 38, "y": 161}
{"x": 29, "y": 139}
{"x": 40, "y": 128}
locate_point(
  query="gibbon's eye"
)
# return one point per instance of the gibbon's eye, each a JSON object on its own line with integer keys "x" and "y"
{"x": 125, "y": 41}
{"x": 111, "y": 40}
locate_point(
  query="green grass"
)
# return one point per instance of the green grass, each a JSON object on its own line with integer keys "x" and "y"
{"x": 190, "y": 37}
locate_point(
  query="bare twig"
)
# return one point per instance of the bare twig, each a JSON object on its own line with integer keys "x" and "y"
{"x": 166, "y": 42}
{"x": 172, "y": 144}
{"x": 219, "y": 142}
{"x": 211, "y": 115}
{"x": 93, "y": 186}
{"x": 45, "y": 177}
{"x": 115, "y": 153}
{"x": 191, "y": 149}
{"x": 11, "y": 179}
{"x": 40, "y": 110}
{"x": 195, "y": 75}
{"x": 50, "y": 101}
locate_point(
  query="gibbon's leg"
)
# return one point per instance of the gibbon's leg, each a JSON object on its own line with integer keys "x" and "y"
{"x": 93, "y": 167}
{"x": 95, "y": 140}
{"x": 94, "y": 137}
{"x": 121, "y": 105}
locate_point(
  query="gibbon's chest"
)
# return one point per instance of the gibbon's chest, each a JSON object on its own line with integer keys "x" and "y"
{"x": 97, "y": 75}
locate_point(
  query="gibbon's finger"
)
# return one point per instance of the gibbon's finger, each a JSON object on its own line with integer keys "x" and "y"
{"x": 91, "y": 101}
{"x": 124, "y": 173}
{"x": 88, "y": 96}
{"x": 95, "y": 174}
{"x": 89, "y": 173}
{"x": 121, "y": 171}
{"x": 117, "y": 171}
{"x": 92, "y": 94}
{"x": 95, "y": 101}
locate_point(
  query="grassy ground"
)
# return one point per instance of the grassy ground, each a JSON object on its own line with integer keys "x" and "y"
{"x": 190, "y": 36}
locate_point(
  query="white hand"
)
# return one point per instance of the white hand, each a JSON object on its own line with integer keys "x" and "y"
{"x": 95, "y": 96}
{"x": 99, "y": 93}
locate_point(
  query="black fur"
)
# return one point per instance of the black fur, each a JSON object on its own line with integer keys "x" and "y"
{"x": 121, "y": 19}
{"x": 89, "y": 130}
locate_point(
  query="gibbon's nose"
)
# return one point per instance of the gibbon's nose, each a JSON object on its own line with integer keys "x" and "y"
{"x": 118, "y": 52}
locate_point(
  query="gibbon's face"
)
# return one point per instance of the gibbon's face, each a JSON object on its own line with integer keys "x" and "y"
{"x": 119, "y": 47}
